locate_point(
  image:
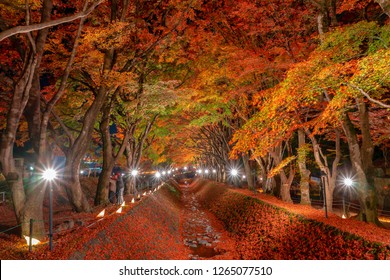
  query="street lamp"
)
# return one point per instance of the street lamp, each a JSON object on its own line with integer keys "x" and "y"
{"x": 50, "y": 175}
{"x": 234, "y": 174}
{"x": 134, "y": 173}
{"x": 348, "y": 182}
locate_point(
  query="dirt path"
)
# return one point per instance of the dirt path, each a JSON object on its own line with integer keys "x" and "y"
{"x": 202, "y": 232}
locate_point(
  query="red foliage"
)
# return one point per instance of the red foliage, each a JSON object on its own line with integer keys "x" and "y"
{"x": 269, "y": 229}
{"x": 148, "y": 229}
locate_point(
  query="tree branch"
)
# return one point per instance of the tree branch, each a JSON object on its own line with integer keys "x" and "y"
{"x": 28, "y": 28}
{"x": 369, "y": 97}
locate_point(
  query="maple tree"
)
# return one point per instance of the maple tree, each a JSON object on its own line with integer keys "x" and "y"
{"x": 253, "y": 80}
{"x": 26, "y": 100}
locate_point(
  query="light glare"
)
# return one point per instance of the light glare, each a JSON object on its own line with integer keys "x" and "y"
{"x": 49, "y": 174}
{"x": 234, "y": 172}
{"x": 348, "y": 182}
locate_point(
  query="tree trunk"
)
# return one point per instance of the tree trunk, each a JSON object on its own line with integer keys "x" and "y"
{"x": 32, "y": 112}
{"x": 304, "y": 172}
{"x": 33, "y": 209}
{"x": 72, "y": 184}
{"x": 109, "y": 158}
{"x": 248, "y": 172}
{"x": 322, "y": 162}
{"x": 286, "y": 182}
{"x": 366, "y": 191}
{"x": 18, "y": 104}
{"x": 101, "y": 196}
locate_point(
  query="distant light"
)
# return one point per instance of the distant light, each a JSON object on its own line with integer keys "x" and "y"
{"x": 348, "y": 182}
{"x": 132, "y": 201}
{"x": 158, "y": 174}
{"x": 206, "y": 171}
{"x": 185, "y": 168}
{"x": 31, "y": 168}
{"x": 169, "y": 171}
{"x": 49, "y": 174}
{"x": 243, "y": 176}
{"x": 82, "y": 172}
{"x": 163, "y": 173}
{"x": 234, "y": 172}
{"x": 134, "y": 172}
{"x": 214, "y": 171}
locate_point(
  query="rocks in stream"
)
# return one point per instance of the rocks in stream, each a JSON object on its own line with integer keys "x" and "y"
{"x": 199, "y": 235}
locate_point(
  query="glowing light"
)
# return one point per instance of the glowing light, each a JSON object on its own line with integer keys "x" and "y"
{"x": 49, "y": 174}
{"x": 348, "y": 182}
{"x": 34, "y": 241}
{"x": 134, "y": 172}
{"x": 243, "y": 176}
{"x": 214, "y": 171}
{"x": 144, "y": 194}
{"x": 101, "y": 214}
{"x": 133, "y": 200}
{"x": 185, "y": 168}
{"x": 119, "y": 210}
{"x": 158, "y": 174}
{"x": 344, "y": 216}
{"x": 123, "y": 204}
{"x": 234, "y": 172}
{"x": 206, "y": 171}
{"x": 163, "y": 173}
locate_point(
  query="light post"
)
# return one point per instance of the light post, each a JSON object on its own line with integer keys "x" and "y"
{"x": 348, "y": 182}
{"x": 158, "y": 176}
{"x": 50, "y": 175}
{"x": 234, "y": 174}
{"x": 134, "y": 173}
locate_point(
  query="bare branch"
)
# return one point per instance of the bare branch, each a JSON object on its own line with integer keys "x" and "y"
{"x": 28, "y": 28}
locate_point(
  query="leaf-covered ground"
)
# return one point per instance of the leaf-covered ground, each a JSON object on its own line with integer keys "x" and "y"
{"x": 236, "y": 224}
{"x": 270, "y": 229}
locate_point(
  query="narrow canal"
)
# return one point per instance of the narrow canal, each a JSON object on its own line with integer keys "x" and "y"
{"x": 201, "y": 232}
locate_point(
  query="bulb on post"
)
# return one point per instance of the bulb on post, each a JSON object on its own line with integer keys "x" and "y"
{"x": 348, "y": 182}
